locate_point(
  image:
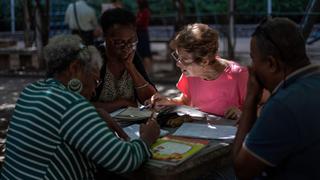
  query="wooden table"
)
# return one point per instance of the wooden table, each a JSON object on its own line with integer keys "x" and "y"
{"x": 215, "y": 156}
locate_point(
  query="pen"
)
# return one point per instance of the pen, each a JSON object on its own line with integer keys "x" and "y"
{"x": 141, "y": 108}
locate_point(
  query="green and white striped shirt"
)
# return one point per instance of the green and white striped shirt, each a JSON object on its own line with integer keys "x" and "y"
{"x": 57, "y": 134}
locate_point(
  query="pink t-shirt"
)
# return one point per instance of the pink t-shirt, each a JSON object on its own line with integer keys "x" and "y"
{"x": 216, "y": 96}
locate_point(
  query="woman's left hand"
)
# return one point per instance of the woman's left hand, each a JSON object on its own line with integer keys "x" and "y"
{"x": 128, "y": 62}
{"x": 232, "y": 113}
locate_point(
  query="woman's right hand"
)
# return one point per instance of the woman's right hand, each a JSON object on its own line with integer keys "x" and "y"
{"x": 232, "y": 113}
{"x": 158, "y": 101}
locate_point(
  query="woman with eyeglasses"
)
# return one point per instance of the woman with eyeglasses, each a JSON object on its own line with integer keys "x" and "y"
{"x": 208, "y": 82}
{"x": 125, "y": 80}
{"x": 56, "y": 133}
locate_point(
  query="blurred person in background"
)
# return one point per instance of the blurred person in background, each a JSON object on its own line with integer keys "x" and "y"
{"x": 114, "y": 4}
{"x": 56, "y": 133}
{"x": 143, "y": 20}
{"x": 82, "y": 20}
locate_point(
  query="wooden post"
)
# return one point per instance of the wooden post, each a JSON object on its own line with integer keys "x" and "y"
{"x": 309, "y": 18}
{"x": 231, "y": 33}
{"x": 13, "y": 16}
{"x": 179, "y": 4}
{"x": 42, "y": 29}
{"x": 27, "y": 21}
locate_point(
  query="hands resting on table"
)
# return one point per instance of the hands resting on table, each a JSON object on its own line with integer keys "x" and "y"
{"x": 149, "y": 131}
{"x": 159, "y": 101}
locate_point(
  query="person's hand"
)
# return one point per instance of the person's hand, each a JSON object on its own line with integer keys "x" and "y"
{"x": 128, "y": 61}
{"x": 254, "y": 87}
{"x": 113, "y": 125}
{"x": 150, "y": 131}
{"x": 157, "y": 101}
{"x": 232, "y": 113}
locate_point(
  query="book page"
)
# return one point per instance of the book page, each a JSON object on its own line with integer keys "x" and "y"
{"x": 173, "y": 150}
{"x": 133, "y": 113}
{"x": 133, "y": 131}
{"x": 116, "y": 112}
{"x": 207, "y": 131}
{"x": 184, "y": 110}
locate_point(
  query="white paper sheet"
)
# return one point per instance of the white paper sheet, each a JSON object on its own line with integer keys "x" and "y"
{"x": 206, "y": 131}
{"x": 133, "y": 131}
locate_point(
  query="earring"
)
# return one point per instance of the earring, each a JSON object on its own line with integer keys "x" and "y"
{"x": 75, "y": 85}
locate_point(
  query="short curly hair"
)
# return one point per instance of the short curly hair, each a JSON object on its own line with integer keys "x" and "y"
{"x": 282, "y": 38}
{"x": 62, "y": 50}
{"x": 117, "y": 16}
{"x": 197, "y": 39}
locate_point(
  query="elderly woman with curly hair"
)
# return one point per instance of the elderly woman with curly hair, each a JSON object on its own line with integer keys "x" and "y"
{"x": 56, "y": 133}
{"x": 208, "y": 82}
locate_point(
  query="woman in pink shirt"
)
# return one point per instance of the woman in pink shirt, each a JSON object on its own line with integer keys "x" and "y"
{"x": 208, "y": 82}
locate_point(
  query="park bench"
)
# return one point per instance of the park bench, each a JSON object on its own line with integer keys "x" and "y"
{"x": 18, "y": 58}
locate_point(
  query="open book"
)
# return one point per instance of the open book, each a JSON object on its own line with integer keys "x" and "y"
{"x": 131, "y": 114}
{"x": 172, "y": 150}
{"x": 207, "y": 131}
{"x": 133, "y": 131}
{"x": 183, "y": 110}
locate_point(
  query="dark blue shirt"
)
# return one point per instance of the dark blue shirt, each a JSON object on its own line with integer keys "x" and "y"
{"x": 286, "y": 136}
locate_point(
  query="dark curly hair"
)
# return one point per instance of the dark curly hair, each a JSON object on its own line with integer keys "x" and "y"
{"x": 197, "y": 39}
{"x": 116, "y": 16}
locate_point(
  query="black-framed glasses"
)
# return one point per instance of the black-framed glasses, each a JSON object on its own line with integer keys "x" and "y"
{"x": 119, "y": 43}
{"x": 177, "y": 58}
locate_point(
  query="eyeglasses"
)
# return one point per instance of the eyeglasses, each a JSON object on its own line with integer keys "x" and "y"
{"x": 119, "y": 43}
{"x": 177, "y": 58}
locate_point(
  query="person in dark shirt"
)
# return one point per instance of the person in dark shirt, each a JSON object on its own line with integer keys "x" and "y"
{"x": 283, "y": 142}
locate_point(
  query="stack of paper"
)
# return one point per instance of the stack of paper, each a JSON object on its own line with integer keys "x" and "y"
{"x": 131, "y": 114}
{"x": 206, "y": 131}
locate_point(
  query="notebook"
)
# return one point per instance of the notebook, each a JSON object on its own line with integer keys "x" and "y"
{"x": 173, "y": 150}
{"x": 206, "y": 131}
{"x": 131, "y": 114}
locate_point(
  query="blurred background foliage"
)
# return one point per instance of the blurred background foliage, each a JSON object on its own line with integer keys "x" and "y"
{"x": 164, "y": 11}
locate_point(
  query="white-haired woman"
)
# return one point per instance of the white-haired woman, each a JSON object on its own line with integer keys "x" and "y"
{"x": 55, "y": 132}
{"x": 208, "y": 82}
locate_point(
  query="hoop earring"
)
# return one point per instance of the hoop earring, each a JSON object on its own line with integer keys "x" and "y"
{"x": 75, "y": 85}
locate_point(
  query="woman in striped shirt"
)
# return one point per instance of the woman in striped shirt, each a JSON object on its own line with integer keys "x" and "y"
{"x": 56, "y": 133}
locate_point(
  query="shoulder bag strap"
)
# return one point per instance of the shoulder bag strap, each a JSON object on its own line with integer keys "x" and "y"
{"x": 76, "y": 17}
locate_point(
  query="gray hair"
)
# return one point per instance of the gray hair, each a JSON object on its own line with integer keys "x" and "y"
{"x": 62, "y": 50}
{"x": 198, "y": 39}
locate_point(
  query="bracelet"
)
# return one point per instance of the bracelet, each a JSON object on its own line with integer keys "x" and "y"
{"x": 142, "y": 86}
